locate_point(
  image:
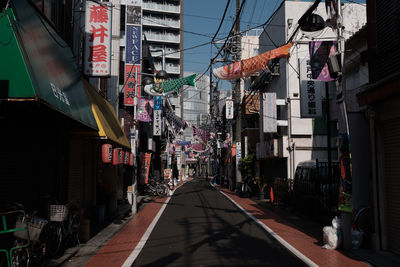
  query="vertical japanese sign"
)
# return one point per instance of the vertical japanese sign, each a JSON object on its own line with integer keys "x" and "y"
{"x": 97, "y": 39}
{"x": 229, "y": 109}
{"x": 133, "y": 48}
{"x": 157, "y": 116}
{"x": 269, "y": 113}
{"x": 131, "y": 84}
{"x": 310, "y": 92}
{"x": 238, "y": 152}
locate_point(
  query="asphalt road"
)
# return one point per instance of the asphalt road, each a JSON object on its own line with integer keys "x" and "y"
{"x": 201, "y": 227}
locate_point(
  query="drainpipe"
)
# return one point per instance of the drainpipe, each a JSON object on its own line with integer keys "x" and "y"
{"x": 375, "y": 181}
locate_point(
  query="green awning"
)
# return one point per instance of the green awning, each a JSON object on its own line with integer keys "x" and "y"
{"x": 36, "y": 63}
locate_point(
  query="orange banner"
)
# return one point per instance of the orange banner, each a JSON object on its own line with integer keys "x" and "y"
{"x": 250, "y": 65}
{"x": 145, "y": 160}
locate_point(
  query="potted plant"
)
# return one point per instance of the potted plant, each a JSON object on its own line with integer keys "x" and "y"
{"x": 262, "y": 184}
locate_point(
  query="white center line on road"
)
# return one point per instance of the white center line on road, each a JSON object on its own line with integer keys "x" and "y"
{"x": 273, "y": 234}
{"x": 132, "y": 257}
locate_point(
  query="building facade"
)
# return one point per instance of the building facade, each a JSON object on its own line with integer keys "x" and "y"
{"x": 163, "y": 27}
{"x": 302, "y": 138}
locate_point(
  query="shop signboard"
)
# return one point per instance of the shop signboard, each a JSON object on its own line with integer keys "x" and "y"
{"x": 97, "y": 39}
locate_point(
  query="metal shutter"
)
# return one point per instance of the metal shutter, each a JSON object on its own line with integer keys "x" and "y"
{"x": 391, "y": 131}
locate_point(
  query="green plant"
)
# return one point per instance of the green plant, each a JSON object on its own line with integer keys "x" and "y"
{"x": 247, "y": 164}
{"x": 262, "y": 182}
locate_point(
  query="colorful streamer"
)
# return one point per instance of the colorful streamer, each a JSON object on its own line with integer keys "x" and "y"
{"x": 250, "y": 65}
{"x": 169, "y": 87}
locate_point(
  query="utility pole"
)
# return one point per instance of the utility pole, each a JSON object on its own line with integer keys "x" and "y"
{"x": 212, "y": 118}
{"x": 236, "y": 56}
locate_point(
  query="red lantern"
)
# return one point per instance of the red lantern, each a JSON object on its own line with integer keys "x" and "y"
{"x": 115, "y": 160}
{"x": 106, "y": 153}
{"x": 131, "y": 159}
{"x": 121, "y": 156}
{"x": 126, "y": 158}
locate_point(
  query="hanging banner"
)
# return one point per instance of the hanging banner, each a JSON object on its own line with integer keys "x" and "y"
{"x": 131, "y": 84}
{"x": 97, "y": 57}
{"x": 269, "y": 113}
{"x": 145, "y": 160}
{"x": 175, "y": 121}
{"x": 251, "y": 65}
{"x": 145, "y": 109}
{"x": 202, "y": 134}
{"x": 229, "y": 109}
{"x": 320, "y": 51}
{"x": 170, "y": 86}
{"x": 310, "y": 92}
{"x": 133, "y": 42}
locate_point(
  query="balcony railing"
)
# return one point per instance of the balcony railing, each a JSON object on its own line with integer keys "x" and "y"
{"x": 170, "y": 69}
{"x": 154, "y": 21}
{"x": 162, "y": 37}
{"x": 161, "y": 7}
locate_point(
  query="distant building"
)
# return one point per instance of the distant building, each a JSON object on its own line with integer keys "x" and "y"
{"x": 196, "y": 103}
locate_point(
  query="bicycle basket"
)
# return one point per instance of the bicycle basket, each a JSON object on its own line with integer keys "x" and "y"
{"x": 35, "y": 227}
{"x": 58, "y": 213}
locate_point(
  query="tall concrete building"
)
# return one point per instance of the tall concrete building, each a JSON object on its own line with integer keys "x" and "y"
{"x": 163, "y": 27}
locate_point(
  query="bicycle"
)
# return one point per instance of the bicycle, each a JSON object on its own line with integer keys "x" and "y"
{"x": 362, "y": 227}
{"x": 63, "y": 228}
{"x": 28, "y": 246}
{"x": 157, "y": 189}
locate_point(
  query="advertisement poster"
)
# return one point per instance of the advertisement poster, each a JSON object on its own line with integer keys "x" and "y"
{"x": 145, "y": 159}
{"x": 145, "y": 109}
{"x": 97, "y": 40}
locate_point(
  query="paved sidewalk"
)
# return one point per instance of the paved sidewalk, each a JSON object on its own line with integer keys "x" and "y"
{"x": 118, "y": 249}
{"x": 298, "y": 237}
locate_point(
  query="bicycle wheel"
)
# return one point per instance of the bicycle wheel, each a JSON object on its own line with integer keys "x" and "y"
{"x": 72, "y": 238}
{"x": 53, "y": 239}
{"x": 20, "y": 257}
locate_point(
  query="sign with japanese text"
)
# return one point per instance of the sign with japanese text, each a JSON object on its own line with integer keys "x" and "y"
{"x": 131, "y": 84}
{"x": 310, "y": 92}
{"x": 238, "y": 152}
{"x": 97, "y": 39}
{"x": 229, "y": 109}
{"x": 157, "y": 113}
{"x": 133, "y": 43}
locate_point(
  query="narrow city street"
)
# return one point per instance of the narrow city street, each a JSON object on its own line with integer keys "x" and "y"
{"x": 201, "y": 227}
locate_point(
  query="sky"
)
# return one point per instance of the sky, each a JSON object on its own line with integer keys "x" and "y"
{"x": 201, "y": 21}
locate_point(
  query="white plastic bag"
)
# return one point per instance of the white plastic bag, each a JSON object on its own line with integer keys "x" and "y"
{"x": 332, "y": 234}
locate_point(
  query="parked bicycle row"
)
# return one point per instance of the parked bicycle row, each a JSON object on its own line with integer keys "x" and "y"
{"x": 29, "y": 240}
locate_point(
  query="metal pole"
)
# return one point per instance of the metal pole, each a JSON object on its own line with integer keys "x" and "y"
{"x": 328, "y": 135}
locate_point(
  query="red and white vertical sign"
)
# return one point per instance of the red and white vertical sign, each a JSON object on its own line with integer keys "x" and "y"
{"x": 131, "y": 84}
{"x": 97, "y": 39}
